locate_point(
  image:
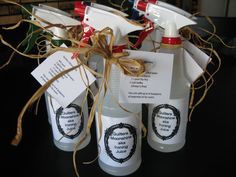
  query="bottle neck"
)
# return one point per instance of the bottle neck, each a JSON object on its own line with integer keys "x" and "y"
{"x": 171, "y": 40}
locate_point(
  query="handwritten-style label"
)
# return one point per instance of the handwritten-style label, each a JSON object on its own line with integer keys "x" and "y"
{"x": 154, "y": 85}
{"x": 69, "y": 86}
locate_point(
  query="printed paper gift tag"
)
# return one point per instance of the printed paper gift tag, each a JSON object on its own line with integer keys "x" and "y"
{"x": 195, "y": 61}
{"x": 201, "y": 58}
{"x": 68, "y": 87}
{"x": 191, "y": 68}
{"x": 154, "y": 85}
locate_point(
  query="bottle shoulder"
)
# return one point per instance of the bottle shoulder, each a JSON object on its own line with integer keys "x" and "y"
{"x": 112, "y": 107}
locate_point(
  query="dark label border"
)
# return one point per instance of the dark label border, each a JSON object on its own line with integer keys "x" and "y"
{"x": 60, "y": 129}
{"x": 109, "y": 132}
{"x": 175, "y": 112}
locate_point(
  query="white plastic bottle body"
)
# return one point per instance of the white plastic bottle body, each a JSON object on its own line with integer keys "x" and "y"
{"x": 167, "y": 120}
{"x": 119, "y": 139}
{"x": 68, "y": 124}
{"x": 96, "y": 63}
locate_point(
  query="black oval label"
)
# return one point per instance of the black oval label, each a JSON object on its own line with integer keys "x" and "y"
{"x": 70, "y": 121}
{"x": 120, "y": 142}
{"x": 165, "y": 121}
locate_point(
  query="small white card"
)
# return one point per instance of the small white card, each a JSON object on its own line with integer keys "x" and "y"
{"x": 191, "y": 67}
{"x": 155, "y": 85}
{"x": 68, "y": 87}
{"x": 199, "y": 56}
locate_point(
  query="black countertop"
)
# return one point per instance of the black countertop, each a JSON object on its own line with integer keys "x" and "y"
{"x": 209, "y": 151}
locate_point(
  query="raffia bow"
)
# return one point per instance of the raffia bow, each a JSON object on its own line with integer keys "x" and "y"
{"x": 101, "y": 46}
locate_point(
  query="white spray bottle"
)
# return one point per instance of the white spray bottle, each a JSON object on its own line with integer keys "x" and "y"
{"x": 142, "y": 3}
{"x": 168, "y": 119}
{"x": 143, "y": 8}
{"x": 120, "y": 139}
{"x": 68, "y": 124}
